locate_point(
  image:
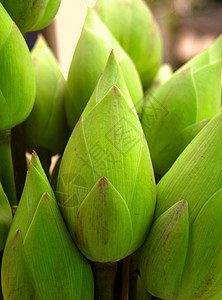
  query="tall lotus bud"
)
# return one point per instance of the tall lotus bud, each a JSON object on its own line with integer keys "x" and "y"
{"x": 182, "y": 106}
{"x": 89, "y": 60}
{"x": 106, "y": 179}
{"x": 31, "y": 15}
{"x": 134, "y": 27}
{"x": 17, "y": 81}
{"x": 40, "y": 259}
{"x": 5, "y": 217}
{"x": 46, "y": 127}
{"x": 182, "y": 256}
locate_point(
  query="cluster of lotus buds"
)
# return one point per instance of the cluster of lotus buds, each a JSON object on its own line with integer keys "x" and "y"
{"x": 132, "y": 208}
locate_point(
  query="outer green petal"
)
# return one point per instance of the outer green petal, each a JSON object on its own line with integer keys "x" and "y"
{"x": 15, "y": 275}
{"x": 168, "y": 112}
{"x": 164, "y": 252}
{"x": 208, "y": 97}
{"x": 32, "y": 15}
{"x": 89, "y": 60}
{"x": 202, "y": 275}
{"x": 133, "y": 25}
{"x": 176, "y": 146}
{"x": 98, "y": 222}
{"x": 46, "y": 127}
{"x": 196, "y": 174}
{"x": 58, "y": 272}
{"x": 5, "y": 217}
{"x": 17, "y": 82}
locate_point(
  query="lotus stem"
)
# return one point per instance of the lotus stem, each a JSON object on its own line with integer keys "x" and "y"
{"x": 104, "y": 275}
{"x": 6, "y": 167}
{"x": 125, "y": 278}
{"x": 18, "y": 156}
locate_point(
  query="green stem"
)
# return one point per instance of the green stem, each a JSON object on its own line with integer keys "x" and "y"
{"x": 104, "y": 275}
{"x": 125, "y": 278}
{"x": 6, "y": 167}
{"x": 19, "y": 159}
{"x": 45, "y": 158}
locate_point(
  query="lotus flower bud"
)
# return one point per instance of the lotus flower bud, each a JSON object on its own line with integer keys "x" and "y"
{"x": 17, "y": 81}
{"x": 182, "y": 256}
{"x": 5, "y": 217}
{"x": 132, "y": 24}
{"x": 32, "y": 15}
{"x": 46, "y": 127}
{"x": 40, "y": 259}
{"x": 182, "y": 106}
{"x": 106, "y": 179}
{"x": 89, "y": 60}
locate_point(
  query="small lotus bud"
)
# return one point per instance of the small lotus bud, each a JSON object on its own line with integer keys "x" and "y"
{"x": 89, "y": 60}
{"x": 17, "y": 81}
{"x": 134, "y": 27}
{"x": 40, "y": 259}
{"x": 46, "y": 127}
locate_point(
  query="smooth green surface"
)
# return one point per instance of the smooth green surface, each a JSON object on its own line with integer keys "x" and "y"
{"x": 46, "y": 127}
{"x": 17, "y": 81}
{"x": 5, "y": 217}
{"x": 89, "y": 60}
{"x": 134, "y": 27}
{"x": 191, "y": 95}
{"x": 32, "y": 15}
{"x": 107, "y": 141}
{"x": 164, "y": 253}
{"x": 40, "y": 259}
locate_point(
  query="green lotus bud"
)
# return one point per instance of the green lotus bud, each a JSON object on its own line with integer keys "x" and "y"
{"x": 181, "y": 107}
{"x": 106, "y": 179}
{"x": 17, "y": 82}
{"x": 40, "y": 259}
{"x": 32, "y": 15}
{"x": 46, "y": 127}
{"x": 89, "y": 60}
{"x": 134, "y": 27}
{"x": 5, "y": 217}
{"x": 182, "y": 256}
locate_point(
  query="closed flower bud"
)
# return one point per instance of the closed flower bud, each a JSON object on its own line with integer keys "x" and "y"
{"x": 134, "y": 27}
{"x": 32, "y": 15}
{"x": 40, "y": 259}
{"x": 89, "y": 60}
{"x": 182, "y": 106}
{"x": 182, "y": 256}
{"x": 17, "y": 81}
{"x": 46, "y": 127}
{"x": 106, "y": 185}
